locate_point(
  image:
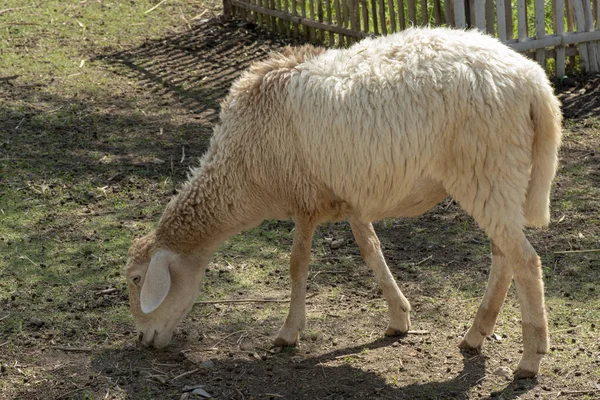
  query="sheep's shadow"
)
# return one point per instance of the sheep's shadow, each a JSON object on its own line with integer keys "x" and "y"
{"x": 289, "y": 376}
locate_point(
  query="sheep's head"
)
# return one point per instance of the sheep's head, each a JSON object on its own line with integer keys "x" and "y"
{"x": 163, "y": 286}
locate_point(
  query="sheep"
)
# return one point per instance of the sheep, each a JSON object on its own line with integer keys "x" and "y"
{"x": 388, "y": 127}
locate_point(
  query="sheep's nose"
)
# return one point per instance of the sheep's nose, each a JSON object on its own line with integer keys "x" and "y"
{"x": 140, "y": 336}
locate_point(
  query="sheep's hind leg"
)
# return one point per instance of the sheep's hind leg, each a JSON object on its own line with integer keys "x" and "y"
{"x": 299, "y": 260}
{"x": 495, "y": 293}
{"x": 370, "y": 249}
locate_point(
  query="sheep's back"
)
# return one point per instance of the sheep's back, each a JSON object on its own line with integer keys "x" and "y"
{"x": 371, "y": 119}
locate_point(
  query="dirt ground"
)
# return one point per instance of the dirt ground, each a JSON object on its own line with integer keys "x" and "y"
{"x": 441, "y": 261}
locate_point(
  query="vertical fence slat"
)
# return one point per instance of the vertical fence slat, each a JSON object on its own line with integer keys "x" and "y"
{"x": 321, "y": 18}
{"x": 401, "y": 18}
{"x": 382, "y": 17}
{"x": 449, "y": 12}
{"x": 580, "y": 24}
{"x": 437, "y": 12}
{"x": 459, "y": 13}
{"x": 412, "y": 13}
{"x": 489, "y": 17}
{"x": 522, "y": 19}
{"x": 540, "y": 30}
{"x": 559, "y": 30}
{"x": 480, "y": 15}
{"x": 570, "y": 27}
{"x": 509, "y": 20}
{"x": 392, "y": 16}
{"x": 589, "y": 26}
{"x": 374, "y": 15}
{"x": 365, "y": 15}
{"x": 500, "y": 12}
{"x": 329, "y": 21}
{"x": 424, "y": 13}
{"x": 311, "y": 4}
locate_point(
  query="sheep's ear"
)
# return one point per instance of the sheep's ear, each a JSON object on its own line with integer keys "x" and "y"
{"x": 157, "y": 282}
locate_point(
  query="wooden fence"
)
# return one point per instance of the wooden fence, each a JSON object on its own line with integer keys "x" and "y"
{"x": 565, "y": 31}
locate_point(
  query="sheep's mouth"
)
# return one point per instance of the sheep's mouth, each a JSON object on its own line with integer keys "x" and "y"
{"x": 154, "y": 338}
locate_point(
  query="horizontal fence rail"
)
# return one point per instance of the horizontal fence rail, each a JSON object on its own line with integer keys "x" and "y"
{"x": 560, "y": 34}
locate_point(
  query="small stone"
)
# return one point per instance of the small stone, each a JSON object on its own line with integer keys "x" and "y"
{"x": 395, "y": 344}
{"x": 36, "y": 323}
{"x": 208, "y": 364}
{"x": 503, "y": 372}
{"x": 3, "y": 368}
{"x": 336, "y": 244}
{"x": 334, "y": 342}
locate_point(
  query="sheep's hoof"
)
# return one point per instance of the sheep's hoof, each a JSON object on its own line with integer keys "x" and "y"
{"x": 394, "y": 332}
{"x": 524, "y": 374}
{"x": 281, "y": 342}
{"x": 464, "y": 345}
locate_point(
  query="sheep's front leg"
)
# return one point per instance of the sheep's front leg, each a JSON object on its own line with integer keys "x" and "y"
{"x": 370, "y": 249}
{"x": 299, "y": 259}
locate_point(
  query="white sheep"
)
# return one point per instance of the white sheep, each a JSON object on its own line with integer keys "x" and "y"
{"x": 386, "y": 128}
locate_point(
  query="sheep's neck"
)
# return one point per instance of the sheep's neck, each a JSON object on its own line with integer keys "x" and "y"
{"x": 211, "y": 207}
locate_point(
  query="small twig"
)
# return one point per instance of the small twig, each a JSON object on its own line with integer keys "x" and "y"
{"x": 69, "y": 393}
{"x": 578, "y": 251}
{"x": 186, "y": 374}
{"x": 359, "y": 355}
{"x": 565, "y": 329}
{"x": 6, "y": 10}
{"x": 214, "y": 347}
{"x": 107, "y": 291}
{"x": 250, "y": 300}
{"x": 3, "y": 318}
{"x": 274, "y": 395}
{"x": 419, "y": 332}
{"x": 564, "y": 392}
{"x": 199, "y": 15}
{"x": 19, "y": 125}
{"x": 8, "y": 78}
{"x": 68, "y": 348}
{"x": 28, "y": 259}
{"x": 423, "y": 260}
{"x": 323, "y": 370}
{"x": 155, "y": 7}
{"x": 4, "y": 344}
{"x": 182, "y": 155}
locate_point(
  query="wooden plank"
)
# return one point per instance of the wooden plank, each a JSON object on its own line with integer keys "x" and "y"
{"x": 480, "y": 15}
{"x": 401, "y": 17}
{"x": 320, "y": 18}
{"x": 311, "y": 6}
{"x": 365, "y": 15}
{"x": 374, "y": 15}
{"x": 540, "y": 29}
{"x": 437, "y": 12}
{"x": 580, "y": 24}
{"x": 489, "y": 17}
{"x": 354, "y": 15}
{"x": 522, "y": 19}
{"x": 589, "y": 26}
{"x": 299, "y": 20}
{"x": 500, "y": 12}
{"x": 412, "y": 13}
{"x": 392, "y": 16}
{"x": 559, "y": 30}
{"x": 382, "y": 18}
{"x": 459, "y": 14}
{"x": 449, "y": 12}
{"x": 566, "y": 39}
{"x": 329, "y": 21}
{"x": 509, "y": 20}
{"x": 424, "y": 13}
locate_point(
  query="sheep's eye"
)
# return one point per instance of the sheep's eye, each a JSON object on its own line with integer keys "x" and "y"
{"x": 136, "y": 280}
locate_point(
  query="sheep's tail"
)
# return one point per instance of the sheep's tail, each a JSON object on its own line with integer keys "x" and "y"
{"x": 546, "y": 117}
